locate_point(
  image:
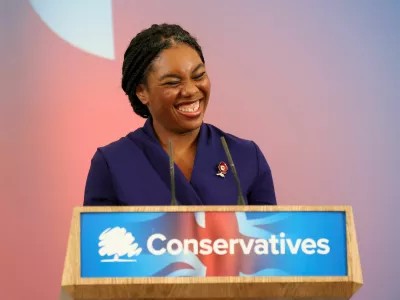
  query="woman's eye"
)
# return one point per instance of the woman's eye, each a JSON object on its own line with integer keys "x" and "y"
{"x": 172, "y": 83}
{"x": 199, "y": 76}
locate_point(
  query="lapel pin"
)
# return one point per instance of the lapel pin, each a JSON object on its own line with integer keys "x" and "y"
{"x": 222, "y": 169}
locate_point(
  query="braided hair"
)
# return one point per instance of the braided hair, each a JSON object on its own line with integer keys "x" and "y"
{"x": 141, "y": 52}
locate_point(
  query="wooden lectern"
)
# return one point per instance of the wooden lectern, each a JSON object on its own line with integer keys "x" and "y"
{"x": 212, "y": 252}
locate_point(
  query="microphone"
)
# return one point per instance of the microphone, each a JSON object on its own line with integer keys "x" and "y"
{"x": 239, "y": 188}
{"x": 172, "y": 173}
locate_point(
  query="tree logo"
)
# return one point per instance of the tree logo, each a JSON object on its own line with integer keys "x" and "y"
{"x": 117, "y": 243}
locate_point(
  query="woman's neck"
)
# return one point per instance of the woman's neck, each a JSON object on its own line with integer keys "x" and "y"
{"x": 181, "y": 142}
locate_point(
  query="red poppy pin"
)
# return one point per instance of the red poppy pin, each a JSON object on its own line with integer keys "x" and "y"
{"x": 222, "y": 169}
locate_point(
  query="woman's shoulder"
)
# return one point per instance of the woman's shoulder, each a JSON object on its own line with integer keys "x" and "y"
{"x": 119, "y": 146}
{"x": 242, "y": 149}
{"x": 232, "y": 140}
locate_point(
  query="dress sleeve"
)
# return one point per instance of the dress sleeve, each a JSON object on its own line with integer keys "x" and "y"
{"x": 262, "y": 191}
{"x": 99, "y": 189}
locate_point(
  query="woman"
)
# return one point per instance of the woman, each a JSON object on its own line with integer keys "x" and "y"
{"x": 165, "y": 78}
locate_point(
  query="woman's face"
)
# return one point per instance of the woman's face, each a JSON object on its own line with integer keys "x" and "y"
{"x": 178, "y": 89}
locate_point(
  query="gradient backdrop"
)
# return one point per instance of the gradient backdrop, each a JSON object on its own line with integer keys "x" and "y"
{"x": 315, "y": 83}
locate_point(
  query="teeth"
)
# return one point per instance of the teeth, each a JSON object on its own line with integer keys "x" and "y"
{"x": 190, "y": 107}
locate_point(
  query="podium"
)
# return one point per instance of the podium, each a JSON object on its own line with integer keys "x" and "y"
{"x": 212, "y": 252}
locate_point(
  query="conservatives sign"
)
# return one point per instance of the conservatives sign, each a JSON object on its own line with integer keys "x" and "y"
{"x": 172, "y": 244}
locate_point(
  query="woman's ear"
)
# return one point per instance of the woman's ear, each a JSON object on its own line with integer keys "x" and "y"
{"x": 142, "y": 94}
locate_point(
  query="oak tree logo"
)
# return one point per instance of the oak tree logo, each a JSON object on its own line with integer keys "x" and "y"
{"x": 116, "y": 243}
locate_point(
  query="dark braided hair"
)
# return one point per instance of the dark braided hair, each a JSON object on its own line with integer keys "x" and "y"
{"x": 143, "y": 49}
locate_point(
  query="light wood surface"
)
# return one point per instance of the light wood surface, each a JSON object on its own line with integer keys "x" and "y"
{"x": 192, "y": 288}
{"x": 205, "y": 208}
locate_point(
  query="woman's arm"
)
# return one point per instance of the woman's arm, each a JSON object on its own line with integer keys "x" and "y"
{"x": 99, "y": 190}
{"x": 262, "y": 191}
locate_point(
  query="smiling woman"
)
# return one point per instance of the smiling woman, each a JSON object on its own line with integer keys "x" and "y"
{"x": 164, "y": 75}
